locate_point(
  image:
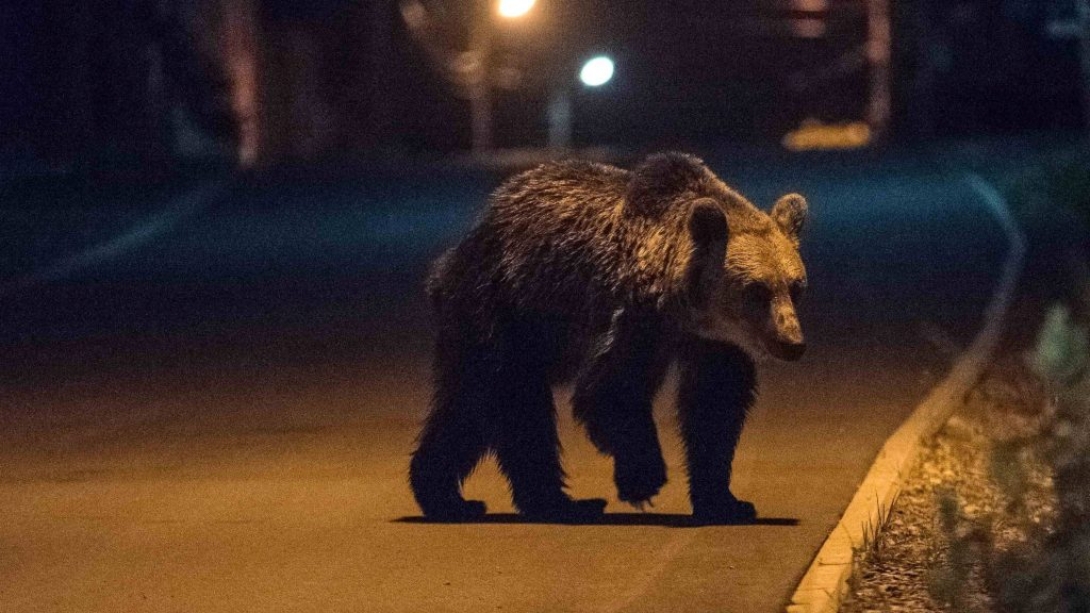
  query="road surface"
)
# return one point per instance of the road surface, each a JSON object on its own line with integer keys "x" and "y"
{"x": 208, "y": 403}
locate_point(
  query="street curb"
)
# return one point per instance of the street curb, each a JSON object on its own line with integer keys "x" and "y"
{"x": 825, "y": 583}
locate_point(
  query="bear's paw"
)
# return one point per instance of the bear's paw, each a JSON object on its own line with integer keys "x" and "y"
{"x": 728, "y": 510}
{"x": 638, "y": 480}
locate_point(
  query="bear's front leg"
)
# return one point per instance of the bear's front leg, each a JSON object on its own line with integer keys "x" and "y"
{"x": 639, "y": 470}
{"x": 717, "y": 387}
{"x": 613, "y": 400}
{"x": 625, "y": 429}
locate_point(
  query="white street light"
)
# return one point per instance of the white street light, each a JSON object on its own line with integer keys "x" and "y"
{"x": 597, "y": 71}
{"x": 515, "y": 8}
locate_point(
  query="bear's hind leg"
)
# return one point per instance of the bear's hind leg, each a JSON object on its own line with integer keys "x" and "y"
{"x": 449, "y": 448}
{"x": 527, "y": 447}
{"x": 716, "y": 388}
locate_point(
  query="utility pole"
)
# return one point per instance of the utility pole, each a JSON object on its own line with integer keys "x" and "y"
{"x": 879, "y": 44}
{"x": 922, "y": 109}
{"x": 480, "y": 91}
{"x": 241, "y": 44}
{"x": 560, "y": 117}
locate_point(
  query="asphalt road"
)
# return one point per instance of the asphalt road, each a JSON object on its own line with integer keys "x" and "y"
{"x": 208, "y": 402}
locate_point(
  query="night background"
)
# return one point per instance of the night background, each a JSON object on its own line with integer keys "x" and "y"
{"x": 216, "y": 218}
{"x": 99, "y": 82}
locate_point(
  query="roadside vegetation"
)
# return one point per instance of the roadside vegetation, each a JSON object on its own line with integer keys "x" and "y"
{"x": 995, "y": 517}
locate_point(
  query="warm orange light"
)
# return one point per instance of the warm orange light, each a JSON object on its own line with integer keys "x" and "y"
{"x": 515, "y": 8}
{"x": 813, "y": 135}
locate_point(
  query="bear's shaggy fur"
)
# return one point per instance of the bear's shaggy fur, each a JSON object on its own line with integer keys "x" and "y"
{"x": 583, "y": 271}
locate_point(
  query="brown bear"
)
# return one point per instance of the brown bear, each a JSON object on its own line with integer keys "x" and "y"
{"x": 586, "y": 272}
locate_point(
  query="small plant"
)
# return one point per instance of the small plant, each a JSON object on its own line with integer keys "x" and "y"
{"x": 1007, "y": 468}
{"x": 967, "y": 541}
{"x": 871, "y": 547}
{"x": 947, "y": 584}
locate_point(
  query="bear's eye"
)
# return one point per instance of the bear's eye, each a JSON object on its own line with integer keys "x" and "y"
{"x": 756, "y": 295}
{"x": 798, "y": 290}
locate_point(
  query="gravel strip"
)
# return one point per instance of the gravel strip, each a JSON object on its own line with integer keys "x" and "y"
{"x": 953, "y": 514}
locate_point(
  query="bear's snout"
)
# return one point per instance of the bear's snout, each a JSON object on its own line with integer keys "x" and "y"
{"x": 785, "y": 340}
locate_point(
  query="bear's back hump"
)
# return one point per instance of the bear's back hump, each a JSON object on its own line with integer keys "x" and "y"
{"x": 560, "y": 229}
{"x": 557, "y": 194}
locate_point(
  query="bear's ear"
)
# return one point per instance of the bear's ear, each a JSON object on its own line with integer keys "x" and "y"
{"x": 707, "y": 223}
{"x": 789, "y": 213}
{"x": 708, "y": 229}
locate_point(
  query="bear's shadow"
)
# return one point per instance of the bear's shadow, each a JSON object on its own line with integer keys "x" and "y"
{"x": 669, "y": 520}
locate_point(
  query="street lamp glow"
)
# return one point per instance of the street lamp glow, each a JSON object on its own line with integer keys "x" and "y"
{"x": 515, "y": 8}
{"x": 597, "y": 71}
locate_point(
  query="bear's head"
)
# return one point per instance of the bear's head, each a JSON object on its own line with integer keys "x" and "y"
{"x": 739, "y": 267}
{"x": 747, "y": 283}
